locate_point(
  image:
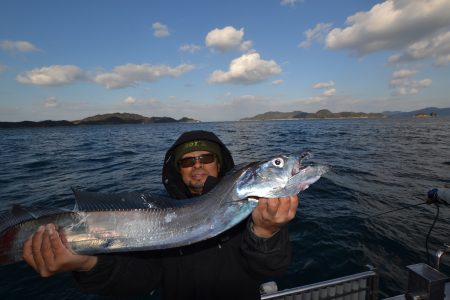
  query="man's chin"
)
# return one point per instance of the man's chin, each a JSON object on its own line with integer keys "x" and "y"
{"x": 197, "y": 184}
{"x": 196, "y": 189}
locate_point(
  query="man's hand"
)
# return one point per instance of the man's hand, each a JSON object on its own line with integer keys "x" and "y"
{"x": 271, "y": 214}
{"x": 48, "y": 253}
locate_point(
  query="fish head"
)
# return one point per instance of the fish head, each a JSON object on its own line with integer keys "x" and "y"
{"x": 281, "y": 176}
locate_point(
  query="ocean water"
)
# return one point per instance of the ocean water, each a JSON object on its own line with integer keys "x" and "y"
{"x": 377, "y": 165}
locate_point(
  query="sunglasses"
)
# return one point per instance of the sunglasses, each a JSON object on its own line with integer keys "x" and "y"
{"x": 190, "y": 161}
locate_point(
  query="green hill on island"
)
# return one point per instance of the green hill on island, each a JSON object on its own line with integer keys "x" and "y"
{"x": 321, "y": 114}
{"x": 102, "y": 119}
{"x": 127, "y": 118}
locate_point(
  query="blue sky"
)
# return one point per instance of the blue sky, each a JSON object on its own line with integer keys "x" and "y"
{"x": 221, "y": 60}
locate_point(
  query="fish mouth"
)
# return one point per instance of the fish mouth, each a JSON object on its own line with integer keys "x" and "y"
{"x": 298, "y": 166}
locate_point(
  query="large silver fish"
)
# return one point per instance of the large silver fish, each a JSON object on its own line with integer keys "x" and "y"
{"x": 102, "y": 223}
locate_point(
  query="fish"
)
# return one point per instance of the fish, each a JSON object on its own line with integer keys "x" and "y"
{"x": 124, "y": 222}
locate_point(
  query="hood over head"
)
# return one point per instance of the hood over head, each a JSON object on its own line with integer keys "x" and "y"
{"x": 171, "y": 177}
{"x": 198, "y": 145}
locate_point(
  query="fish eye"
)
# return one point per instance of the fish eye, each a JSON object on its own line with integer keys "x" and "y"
{"x": 278, "y": 162}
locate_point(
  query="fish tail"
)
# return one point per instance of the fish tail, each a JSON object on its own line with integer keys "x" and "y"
{"x": 8, "y": 254}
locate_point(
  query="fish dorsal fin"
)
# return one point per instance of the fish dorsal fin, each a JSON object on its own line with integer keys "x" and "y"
{"x": 92, "y": 201}
{"x": 20, "y": 213}
{"x": 28, "y": 213}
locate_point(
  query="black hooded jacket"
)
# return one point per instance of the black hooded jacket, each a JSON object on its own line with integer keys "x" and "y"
{"x": 171, "y": 177}
{"x": 229, "y": 266}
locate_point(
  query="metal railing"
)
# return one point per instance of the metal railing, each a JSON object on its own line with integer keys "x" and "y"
{"x": 360, "y": 286}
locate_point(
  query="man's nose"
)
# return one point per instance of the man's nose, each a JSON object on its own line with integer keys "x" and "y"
{"x": 197, "y": 164}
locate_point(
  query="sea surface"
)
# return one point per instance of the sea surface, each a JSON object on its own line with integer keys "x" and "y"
{"x": 377, "y": 165}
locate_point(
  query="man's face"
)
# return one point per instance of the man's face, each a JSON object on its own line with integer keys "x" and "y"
{"x": 195, "y": 176}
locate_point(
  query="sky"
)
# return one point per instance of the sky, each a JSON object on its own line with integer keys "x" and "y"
{"x": 221, "y": 60}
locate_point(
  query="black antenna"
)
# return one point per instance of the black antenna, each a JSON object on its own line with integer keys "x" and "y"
{"x": 429, "y": 232}
{"x": 432, "y": 199}
{"x": 397, "y": 209}
{"x": 429, "y": 200}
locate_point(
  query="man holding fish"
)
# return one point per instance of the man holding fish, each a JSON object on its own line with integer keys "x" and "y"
{"x": 231, "y": 265}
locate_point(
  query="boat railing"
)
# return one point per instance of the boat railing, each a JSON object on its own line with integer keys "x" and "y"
{"x": 360, "y": 286}
{"x": 445, "y": 249}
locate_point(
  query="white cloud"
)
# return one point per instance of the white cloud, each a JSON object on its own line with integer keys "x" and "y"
{"x": 393, "y": 24}
{"x": 277, "y": 82}
{"x": 51, "y": 102}
{"x": 226, "y": 39}
{"x": 160, "y": 30}
{"x": 436, "y": 48}
{"x": 191, "y": 48}
{"x": 412, "y": 87}
{"x": 290, "y": 2}
{"x": 404, "y": 73}
{"x": 247, "y": 69}
{"x": 3, "y": 68}
{"x": 403, "y": 84}
{"x": 21, "y": 46}
{"x": 245, "y": 46}
{"x": 132, "y": 74}
{"x": 129, "y": 100}
{"x": 52, "y": 75}
{"x": 329, "y": 92}
{"x": 321, "y": 85}
{"x": 318, "y": 34}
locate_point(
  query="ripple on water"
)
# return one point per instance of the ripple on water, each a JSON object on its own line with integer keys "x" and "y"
{"x": 377, "y": 165}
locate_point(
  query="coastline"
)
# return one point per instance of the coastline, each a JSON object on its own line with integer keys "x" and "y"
{"x": 302, "y": 119}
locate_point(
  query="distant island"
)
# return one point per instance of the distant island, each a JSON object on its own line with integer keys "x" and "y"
{"x": 102, "y": 119}
{"x": 427, "y": 112}
{"x": 425, "y": 115}
{"x": 128, "y": 118}
{"x": 326, "y": 114}
{"x": 321, "y": 114}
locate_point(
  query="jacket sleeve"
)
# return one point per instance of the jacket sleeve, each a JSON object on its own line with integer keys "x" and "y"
{"x": 266, "y": 257}
{"x": 120, "y": 275}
